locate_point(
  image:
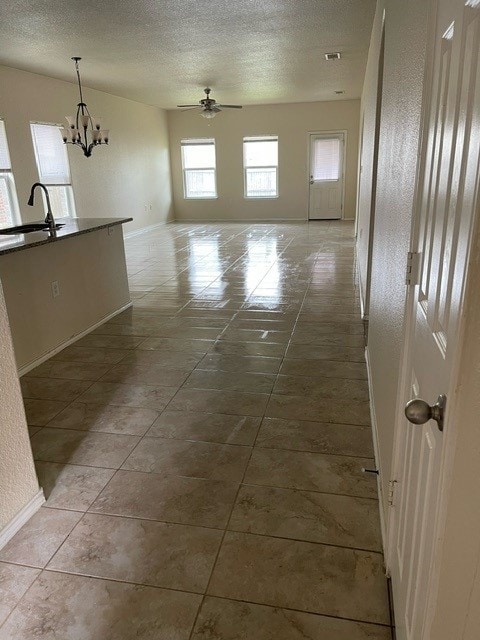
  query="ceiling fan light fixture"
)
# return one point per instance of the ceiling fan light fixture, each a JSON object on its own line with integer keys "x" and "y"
{"x": 208, "y": 106}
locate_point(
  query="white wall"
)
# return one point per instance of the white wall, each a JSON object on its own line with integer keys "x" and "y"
{"x": 291, "y": 122}
{"x": 123, "y": 179}
{"x": 405, "y": 26}
{"x": 18, "y": 481}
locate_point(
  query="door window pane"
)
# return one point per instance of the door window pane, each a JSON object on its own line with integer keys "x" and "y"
{"x": 326, "y": 159}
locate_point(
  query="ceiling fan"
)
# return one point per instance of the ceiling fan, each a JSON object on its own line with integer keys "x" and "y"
{"x": 208, "y": 106}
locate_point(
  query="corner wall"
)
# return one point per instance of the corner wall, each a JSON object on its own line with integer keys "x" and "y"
{"x": 18, "y": 481}
{"x": 128, "y": 178}
{"x": 292, "y": 123}
{"x": 369, "y": 108}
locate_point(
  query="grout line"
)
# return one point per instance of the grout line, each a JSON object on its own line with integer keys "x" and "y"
{"x": 244, "y": 484}
{"x": 94, "y": 577}
{"x": 230, "y": 517}
{"x": 194, "y": 525}
{"x": 313, "y": 613}
{"x": 210, "y": 442}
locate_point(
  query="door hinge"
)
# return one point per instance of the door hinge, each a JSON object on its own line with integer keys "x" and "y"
{"x": 412, "y": 275}
{"x": 391, "y": 492}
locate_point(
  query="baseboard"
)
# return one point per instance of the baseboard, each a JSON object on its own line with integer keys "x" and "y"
{"x": 31, "y": 365}
{"x": 242, "y": 221}
{"x": 376, "y": 450}
{"x": 21, "y": 518}
{"x": 362, "y": 296}
{"x": 151, "y": 227}
{"x": 362, "y": 301}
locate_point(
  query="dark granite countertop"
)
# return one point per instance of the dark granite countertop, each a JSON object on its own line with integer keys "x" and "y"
{"x": 72, "y": 227}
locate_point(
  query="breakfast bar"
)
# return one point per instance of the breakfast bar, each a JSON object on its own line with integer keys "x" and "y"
{"x": 60, "y": 286}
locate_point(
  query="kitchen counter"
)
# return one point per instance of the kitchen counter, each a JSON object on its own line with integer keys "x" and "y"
{"x": 72, "y": 227}
{"x": 57, "y": 292}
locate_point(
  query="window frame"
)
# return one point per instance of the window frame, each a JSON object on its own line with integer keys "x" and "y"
{"x": 264, "y": 138}
{"x": 6, "y": 175}
{"x": 185, "y": 142}
{"x": 68, "y": 186}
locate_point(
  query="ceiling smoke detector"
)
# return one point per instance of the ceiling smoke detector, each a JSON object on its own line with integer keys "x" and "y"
{"x": 333, "y": 56}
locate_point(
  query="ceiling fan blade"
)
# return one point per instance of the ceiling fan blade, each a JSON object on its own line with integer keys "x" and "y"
{"x": 190, "y": 109}
{"x": 230, "y": 106}
{"x": 181, "y": 106}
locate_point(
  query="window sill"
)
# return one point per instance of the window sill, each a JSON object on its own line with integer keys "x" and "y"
{"x": 261, "y": 197}
{"x": 200, "y": 198}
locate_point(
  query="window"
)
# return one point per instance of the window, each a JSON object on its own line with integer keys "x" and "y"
{"x": 8, "y": 195}
{"x": 53, "y": 168}
{"x": 326, "y": 159}
{"x": 198, "y": 163}
{"x": 260, "y": 165}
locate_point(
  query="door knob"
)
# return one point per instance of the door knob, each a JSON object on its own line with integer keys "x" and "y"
{"x": 419, "y": 412}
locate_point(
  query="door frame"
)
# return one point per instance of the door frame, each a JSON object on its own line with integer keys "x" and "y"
{"x": 359, "y": 170}
{"x": 447, "y": 455}
{"x": 326, "y": 133}
{"x": 365, "y": 298}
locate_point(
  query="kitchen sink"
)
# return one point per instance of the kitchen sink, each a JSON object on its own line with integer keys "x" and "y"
{"x": 27, "y": 228}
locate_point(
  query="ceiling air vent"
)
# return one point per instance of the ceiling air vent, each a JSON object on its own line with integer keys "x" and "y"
{"x": 333, "y": 56}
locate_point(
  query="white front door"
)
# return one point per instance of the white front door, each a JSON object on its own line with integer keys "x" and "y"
{"x": 327, "y": 152}
{"x": 447, "y": 192}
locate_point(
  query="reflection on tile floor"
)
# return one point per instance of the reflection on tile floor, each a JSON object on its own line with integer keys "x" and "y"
{"x": 201, "y": 452}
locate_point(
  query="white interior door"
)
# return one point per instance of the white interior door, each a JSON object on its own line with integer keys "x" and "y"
{"x": 327, "y": 152}
{"x": 447, "y": 189}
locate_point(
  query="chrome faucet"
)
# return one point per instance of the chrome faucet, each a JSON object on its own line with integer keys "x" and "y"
{"x": 49, "y": 219}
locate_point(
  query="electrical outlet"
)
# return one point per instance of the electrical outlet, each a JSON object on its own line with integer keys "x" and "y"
{"x": 55, "y": 289}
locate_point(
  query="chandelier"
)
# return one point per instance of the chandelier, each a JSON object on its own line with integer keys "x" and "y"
{"x": 84, "y": 130}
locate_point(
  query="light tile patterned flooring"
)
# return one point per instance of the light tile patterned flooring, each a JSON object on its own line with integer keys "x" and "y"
{"x": 202, "y": 452}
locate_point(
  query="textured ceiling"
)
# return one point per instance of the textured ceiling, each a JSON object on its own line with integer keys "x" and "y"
{"x": 164, "y": 52}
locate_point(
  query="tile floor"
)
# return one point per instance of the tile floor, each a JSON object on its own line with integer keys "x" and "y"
{"x": 201, "y": 452}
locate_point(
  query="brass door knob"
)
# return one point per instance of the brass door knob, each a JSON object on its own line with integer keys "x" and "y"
{"x": 419, "y": 412}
